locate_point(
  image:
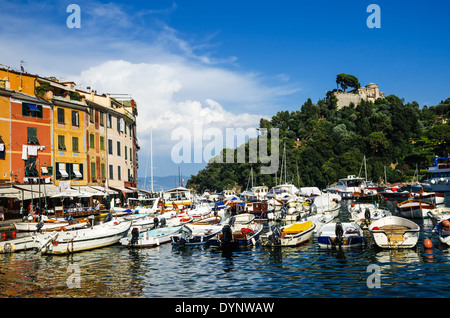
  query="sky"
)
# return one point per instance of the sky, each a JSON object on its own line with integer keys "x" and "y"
{"x": 227, "y": 64}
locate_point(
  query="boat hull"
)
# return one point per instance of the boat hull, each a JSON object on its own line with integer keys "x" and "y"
{"x": 290, "y": 238}
{"x": 239, "y": 238}
{"x": 151, "y": 238}
{"x": 86, "y": 239}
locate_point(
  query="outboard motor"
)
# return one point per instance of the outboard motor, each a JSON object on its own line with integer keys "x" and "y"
{"x": 186, "y": 234}
{"x": 134, "y": 236}
{"x": 39, "y": 226}
{"x": 339, "y": 231}
{"x": 155, "y": 222}
{"x": 367, "y": 216}
{"x": 283, "y": 211}
{"x": 163, "y": 222}
{"x": 227, "y": 235}
{"x": 108, "y": 218}
{"x": 275, "y": 237}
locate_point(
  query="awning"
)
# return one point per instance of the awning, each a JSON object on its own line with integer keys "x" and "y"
{"x": 99, "y": 188}
{"x": 132, "y": 189}
{"x": 88, "y": 189}
{"x": 76, "y": 170}
{"x": 62, "y": 170}
{"x": 122, "y": 189}
{"x": 44, "y": 170}
{"x": 33, "y": 107}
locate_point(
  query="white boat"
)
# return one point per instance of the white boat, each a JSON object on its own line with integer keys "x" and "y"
{"x": 342, "y": 234}
{"x": 347, "y": 186}
{"x": 150, "y": 238}
{"x": 319, "y": 220}
{"x": 289, "y": 235}
{"x": 19, "y": 244}
{"x": 395, "y": 232}
{"x": 46, "y": 224}
{"x": 65, "y": 242}
{"x": 327, "y": 203}
{"x": 413, "y": 208}
{"x": 443, "y": 231}
{"x": 439, "y": 175}
{"x": 242, "y": 218}
{"x": 364, "y": 213}
{"x": 192, "y": 234}
{"x": 437, "y": 215}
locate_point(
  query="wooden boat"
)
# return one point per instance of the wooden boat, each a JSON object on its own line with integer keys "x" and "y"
{"x": 289, "y": 235}
{"x": 150, "y": 238}
{"x": 192, "y": 235}
{"x": 395, "y": 232}
{"x": 443, "y": 230}
{"x": 208, "y": 221}
{"x": 237, "y": 235}
{"x": 342, "y": 234}
{"x": 413, "y": 208}
{"x": 65, "y": 242}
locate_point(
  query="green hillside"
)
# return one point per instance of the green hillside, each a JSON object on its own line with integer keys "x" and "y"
{"x": 324, "y": 144}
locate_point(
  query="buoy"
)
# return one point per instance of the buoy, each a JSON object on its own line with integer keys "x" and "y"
{"x": 446, "y": 223}
{"x": 4, "y": 236}
{"x": 375, "y": 228}
{"x": 427, "y": 243}
{"x": 13, "y": 235}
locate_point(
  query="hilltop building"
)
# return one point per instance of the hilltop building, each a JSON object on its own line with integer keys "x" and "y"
{"x": 369, "y": 93}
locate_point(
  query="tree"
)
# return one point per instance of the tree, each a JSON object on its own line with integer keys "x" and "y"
{"x": 346, "y": 81}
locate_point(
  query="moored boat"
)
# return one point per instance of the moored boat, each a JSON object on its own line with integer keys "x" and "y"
{"x": 19, "y": 244}
{"x": 443, "y": 230}
{"x": 340, "y": 234}
{"x": 363, "y": 214}
{"x": 65, "y": 242}
{"x": 395, "y": 232}
{"x": 413, "y": 208}
{"x": 237, "y": 235}
{"x": 192, "y": 235}
{"x": 289, "y": 235}
{"x": 150, "y": 238}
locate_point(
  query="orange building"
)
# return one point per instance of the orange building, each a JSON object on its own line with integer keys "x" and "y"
{"x": 27, "y": 144}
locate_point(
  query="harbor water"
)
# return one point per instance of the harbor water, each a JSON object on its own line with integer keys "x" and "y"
{"x": 204, "y": 272}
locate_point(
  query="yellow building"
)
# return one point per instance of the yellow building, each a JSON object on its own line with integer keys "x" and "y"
{"x": 69, "y": 134}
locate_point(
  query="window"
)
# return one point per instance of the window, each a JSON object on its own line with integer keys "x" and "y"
{"x": 110, "y": 146}
{"x": 91, "y": 115}
{"x": 75, "y": 144}
{"x": 76, "y": 173}
{"x": 30, "y": 168}
{"x": 119, "y": 173}
{"x": 118, "y": 124}
{"x": 75, "y": 118}
{"x": 93, "y": 175}
{"x": 109, "y": 121}
{"x": 60, "y": 116}
{"x": 111, "y": 172}
{"x": 102, "y": 120}
{"x": 31, "y": 110}
{"x": 103, "y": 171}
{"x": 61, "y": 172}
{"x": 91, "y": 141}
{"x": 131, "y": 155}
{"x": 102, "y": 143}
{"x": 125, "y": 126}
{"x": 32, "y": 136}
{"x": 61, "y": 143}
{"x": 126, "y": 152}
{"x": 118, "y": 149}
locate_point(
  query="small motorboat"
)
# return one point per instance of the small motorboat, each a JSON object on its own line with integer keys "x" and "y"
{"x": 340, "y": 234}
{"x": 237, "y": 235}
{"x": 437, "y": 215}
{"x": 289, "y": 235}
{"x": 211, "y": 220}
{"x": 150, "y": 238}
{"x": 443, "y": 230}
{"x": 363, "y": 214}
{"x": 65, "y": 242}
{"x": 395, "y": 232}
{"x": 19, "y": 244}
{"x": 192, "y": 234}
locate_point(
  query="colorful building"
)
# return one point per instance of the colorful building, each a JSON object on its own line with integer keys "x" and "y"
{"x": 70, "y": 119}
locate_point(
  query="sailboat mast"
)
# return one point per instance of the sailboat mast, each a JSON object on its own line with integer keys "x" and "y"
{"x": 151, "y": 156}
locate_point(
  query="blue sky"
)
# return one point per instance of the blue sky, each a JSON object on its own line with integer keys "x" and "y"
{"x": 229, "y": 63}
